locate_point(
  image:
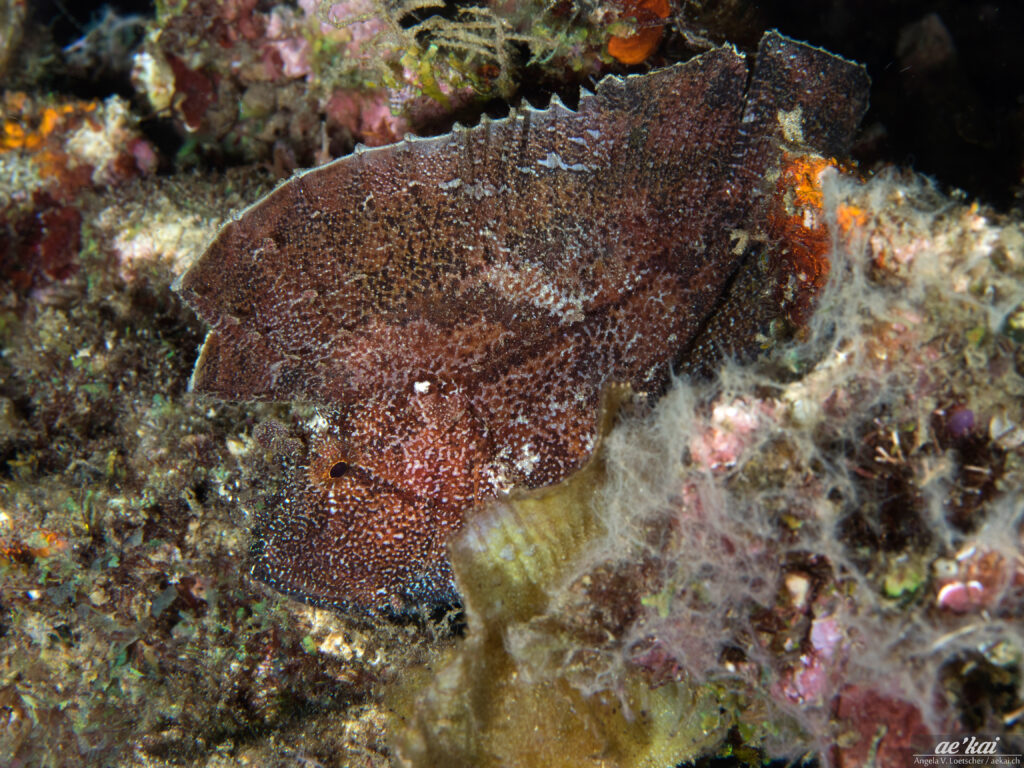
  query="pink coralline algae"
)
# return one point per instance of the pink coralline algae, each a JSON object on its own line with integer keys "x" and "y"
{"x": 293, "y": 53}
{"x": 366, "y": 114}
{"x": 976, "y": 580}
{"x": 457, "y": 305}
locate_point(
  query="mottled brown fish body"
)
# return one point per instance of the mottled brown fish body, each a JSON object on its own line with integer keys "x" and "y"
{"x": 457, "y": 304}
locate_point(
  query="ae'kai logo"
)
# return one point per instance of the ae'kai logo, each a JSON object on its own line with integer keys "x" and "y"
{"x": 971, "y": 750}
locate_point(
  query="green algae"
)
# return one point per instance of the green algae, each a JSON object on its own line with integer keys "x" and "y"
{"x": 531, "y": 684}
{"x": 485, "y": 708}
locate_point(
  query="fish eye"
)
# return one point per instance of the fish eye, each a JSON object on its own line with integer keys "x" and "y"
{"x": 339, "y": 469}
